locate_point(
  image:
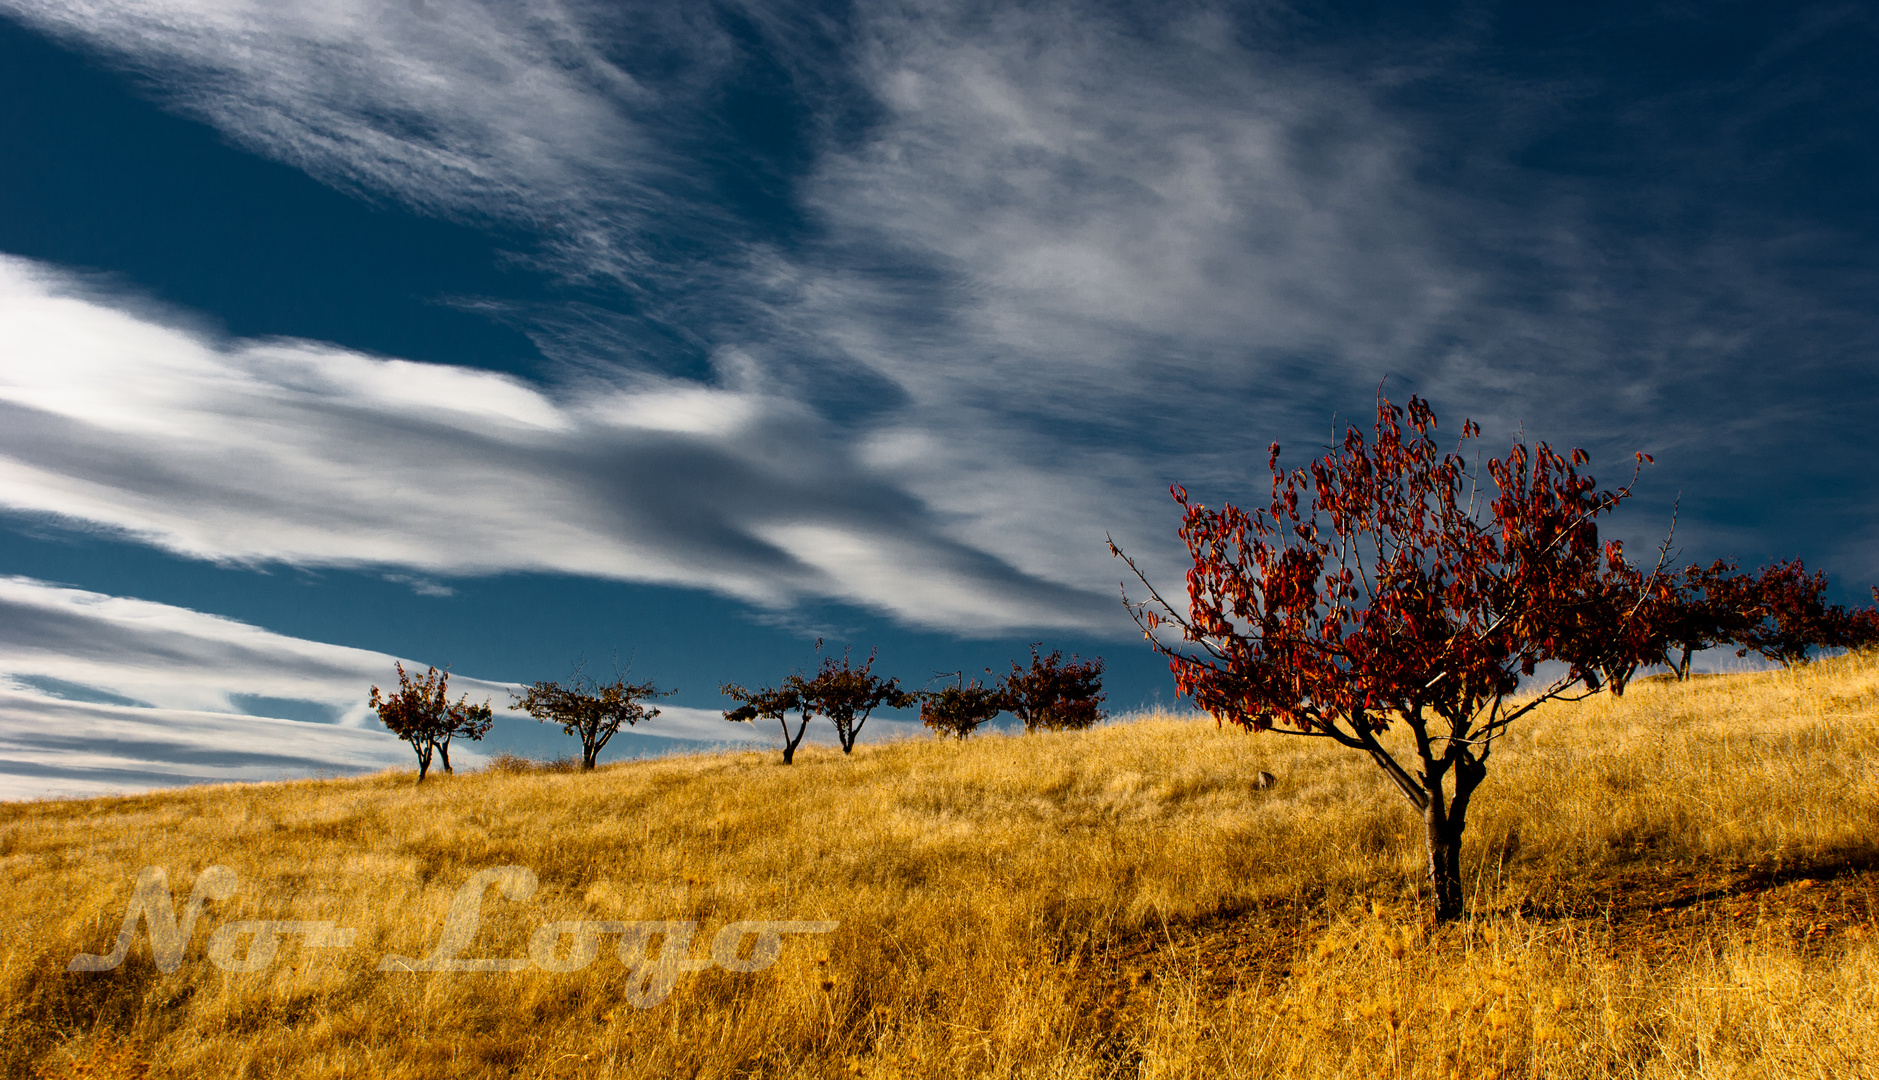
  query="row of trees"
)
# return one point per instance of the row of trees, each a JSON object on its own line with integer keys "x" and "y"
{"x": 1381, "y": 586}
{"x": 1052, "y": 694}
{"x": 1780, "y": 612}
{"x": 421, "y": 714}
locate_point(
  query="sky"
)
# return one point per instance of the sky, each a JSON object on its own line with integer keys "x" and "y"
{"x": 672, "y": 338}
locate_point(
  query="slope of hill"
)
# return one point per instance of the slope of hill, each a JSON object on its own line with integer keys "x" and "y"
{"x": 1680, "y": 883}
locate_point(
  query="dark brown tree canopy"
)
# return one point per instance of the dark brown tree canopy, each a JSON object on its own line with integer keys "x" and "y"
{"x": 847, "y": 695}
{"x": 1789, "y": 616}
{"x": 420, "y": 713}
{"x": 1704, "y": 607}
{"x": 1381, "y": 585}
{"x": 593, "y": 711}
{"x": 1779, "y": 611}
{"x": 960, "y": 709}
{"x": 767, "y": 703}
{"x": 1055, "y": 694}
{"x": 844, "y": 693}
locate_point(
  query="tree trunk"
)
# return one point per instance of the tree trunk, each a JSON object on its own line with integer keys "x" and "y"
{"x": 443, "y": 753}
{"x": 849, "y": 736}
{"x": 1444, "y": 841}
{"x": 1445, "y": 825}
{"x": 790, "y": 744}
{"x": 424, "y": 763}
{"x": 1683, "y": 669}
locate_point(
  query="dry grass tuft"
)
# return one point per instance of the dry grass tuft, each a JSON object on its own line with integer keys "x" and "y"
{"x": 1679, "y": 883}
{"x": 107, "y": 1057}
{"x": 509, "y": 764}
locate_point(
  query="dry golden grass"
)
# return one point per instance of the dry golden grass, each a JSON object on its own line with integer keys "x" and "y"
{"x": 1679, "y": 884}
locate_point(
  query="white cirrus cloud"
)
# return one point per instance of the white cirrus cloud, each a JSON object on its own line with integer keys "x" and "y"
{"x": 163, "y": 656}
{"x": 301, "y": 453}
{"x": 105, "y": 693}
{"x": 1050, "y": 225}
{"x": 54, "y": 747}
{"x": 497, "y": 111}
{"x": 1071, "y": 255}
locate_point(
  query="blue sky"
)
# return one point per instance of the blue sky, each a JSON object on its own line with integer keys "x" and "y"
{"x": 498, "y": 335}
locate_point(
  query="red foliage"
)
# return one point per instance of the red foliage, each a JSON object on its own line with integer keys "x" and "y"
{"x": 420, "y": 713}
{"x": 591, "y": 710}
{"x": 1379, "y": 585}
{"x": 960, "y": 710}
{"x": 1055, "y": 695}
{"x": 1863, "y": 625}
{"x": 1705, "y": 606}
{"x": 1790, "y": 616}
{"x": 847, "y": 695}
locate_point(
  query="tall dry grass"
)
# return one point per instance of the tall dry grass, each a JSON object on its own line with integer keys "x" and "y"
{"x": 1009, "y": 906}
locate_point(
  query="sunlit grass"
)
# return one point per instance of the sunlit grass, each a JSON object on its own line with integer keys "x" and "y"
{"x": 1011, "y": 906}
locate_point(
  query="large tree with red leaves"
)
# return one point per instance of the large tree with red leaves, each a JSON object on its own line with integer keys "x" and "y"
{"x": 1382, "y": 586}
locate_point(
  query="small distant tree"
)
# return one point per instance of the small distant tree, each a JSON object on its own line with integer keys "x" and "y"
{"x": 421, "y": 714}
{"x": 1864, "y": 625}
{"x": 959, "y": 710}
{"x": 1053, "y": 694}
{"x": 590, "y": 710}
{"x": 847, "y": 695}
{"x": 1379, "y": 585}
{"x": 465, "y": 721}
{"x": 1791, "y": 617}
{"x": 1705, "y": 606}
{"x": 765, "y": 703}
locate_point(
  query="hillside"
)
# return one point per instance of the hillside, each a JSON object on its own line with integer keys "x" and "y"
{"x": 1680, "y": 883}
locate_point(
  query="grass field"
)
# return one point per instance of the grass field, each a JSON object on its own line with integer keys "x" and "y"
{"x": 1679, "y": 883}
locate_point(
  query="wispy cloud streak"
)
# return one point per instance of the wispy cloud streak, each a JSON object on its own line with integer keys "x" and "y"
{"x": 186, "y": 696}
{"x": 169, "y": 657}
{"x": 55, "y": 747}
{"x": 263, "y": 451}
{"x": 1025, "y": 268}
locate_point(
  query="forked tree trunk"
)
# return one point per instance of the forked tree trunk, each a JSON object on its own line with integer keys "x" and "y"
{"x": 1444, "y": 843}
{"x": 1443, "y": 821}
{"x": 443, "y": 753}
{"x": 1444, "y": 826}
{"x": 790, "y": 744}
{"x": 589, "y": 754}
